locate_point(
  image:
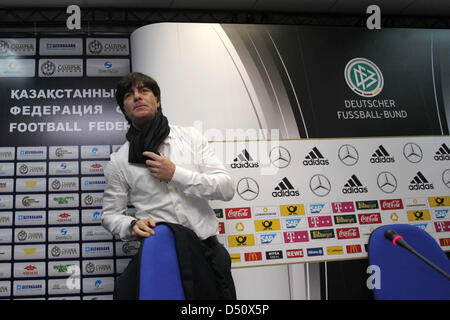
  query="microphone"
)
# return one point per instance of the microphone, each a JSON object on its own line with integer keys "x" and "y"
{"x": 398, "y": 240}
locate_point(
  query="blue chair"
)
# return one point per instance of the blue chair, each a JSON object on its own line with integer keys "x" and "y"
{"x": 159, "y": 277}
{"x": 403, "y": 276}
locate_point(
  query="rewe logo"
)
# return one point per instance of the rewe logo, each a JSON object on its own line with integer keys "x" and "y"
{"x": 315, "y": 158}
{"x": 285, "y": 189}
{"x": 443, "y": 153}
{"x": 244, "y": 160}
{"x": 419, "y": 182}
{"x": 381, "y": 156}
{"x": 353, "y": 185}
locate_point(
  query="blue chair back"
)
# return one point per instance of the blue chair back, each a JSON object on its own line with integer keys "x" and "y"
{"x": 159, "y": 277}
{"x": 403, "y": 276}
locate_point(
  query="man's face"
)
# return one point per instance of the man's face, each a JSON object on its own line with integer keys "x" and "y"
{"x": 140, "y": 105}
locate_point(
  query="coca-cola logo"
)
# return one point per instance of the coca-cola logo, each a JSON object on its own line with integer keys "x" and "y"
{"x": 393, "y": 204}
{"x": 238, "y": 213}
{"x": 347, "y": 233}
{"x": 369, "y": 218}
{"x": 221, "y": 227}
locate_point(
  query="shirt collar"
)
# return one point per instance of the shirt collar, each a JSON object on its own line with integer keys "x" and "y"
{"x": 170, "y": 138}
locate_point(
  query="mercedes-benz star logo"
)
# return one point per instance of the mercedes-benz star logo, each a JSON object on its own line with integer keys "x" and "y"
{"x": 446, "y": 178}
{"x": 247, "y": 188}
{"x": 412, "y": 152}
{"x": 386, "y": 182}
{"x": 320, "y": 185}
{"x": 280, "y": 157}
{"x": 348, "y": 155}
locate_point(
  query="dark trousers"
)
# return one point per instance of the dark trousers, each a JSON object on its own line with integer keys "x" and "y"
{"x": 219, "y": 264}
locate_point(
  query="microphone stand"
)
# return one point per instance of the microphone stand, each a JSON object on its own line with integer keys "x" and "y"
{"x": 398, "y": 240}
{"x": 431, "y": 264}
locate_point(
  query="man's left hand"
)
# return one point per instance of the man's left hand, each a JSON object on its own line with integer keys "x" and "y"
{"x": 160, "y": 167}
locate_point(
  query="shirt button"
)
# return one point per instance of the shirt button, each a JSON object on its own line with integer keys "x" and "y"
{"x": 178, "y": 208}
{"x": 170, "y": 188}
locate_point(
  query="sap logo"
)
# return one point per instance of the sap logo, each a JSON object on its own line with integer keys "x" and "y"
{"x": 316, "y": 208}
{"x": 292, "y": 223}
{"x": 267, "y": 238}
{"x": 422, "y": 226}
{"x": 440, "y": 213}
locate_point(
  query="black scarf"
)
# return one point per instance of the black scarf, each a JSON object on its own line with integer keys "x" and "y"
{"x": 149, "y": 139}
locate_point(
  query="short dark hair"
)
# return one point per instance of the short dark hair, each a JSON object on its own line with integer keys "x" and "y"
{"x": 133, "y": 79}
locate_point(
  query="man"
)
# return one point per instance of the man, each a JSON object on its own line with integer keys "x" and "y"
{"x": 168, "y": 172}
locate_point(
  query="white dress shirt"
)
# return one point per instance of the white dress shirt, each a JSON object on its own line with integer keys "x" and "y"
{"x": 199, "y": 176}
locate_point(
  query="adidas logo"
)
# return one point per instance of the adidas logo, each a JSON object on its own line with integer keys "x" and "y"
{"x": 353, "y": 185}
{"x": 419, "y": 182}
{"x": 381, "y": 156}
{"x": 315, "y": 158}
{"x": 443, "y": 153}
{"x": 285, "y": 189}
{"x": 244, "y": 160}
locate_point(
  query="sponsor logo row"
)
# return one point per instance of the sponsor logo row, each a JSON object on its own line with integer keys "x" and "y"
{"x": 54, "y": 234}
{"x": 55, "y": 152}
{"x": 335, "y": 207}
{"x": 280, "y": 156}
{"x": 55, "y": 200}
{"x": 51, "y": 68}
{"x": 54, "y": 251}
{"x": 53, "y": 269}
{"x": 338, "y": 220}
{"x": 320, "y": 185}
{"x": 55, "y": 184}
{"x": 52, "y": 217}
{"x": 62, "y": 168}
{"x": 295, "y": 253}
{"x": 64, "y": 46}
{"x": 276, "y": 236}
{"x": 312, "y": 252}
{"x": 24, "y": 288}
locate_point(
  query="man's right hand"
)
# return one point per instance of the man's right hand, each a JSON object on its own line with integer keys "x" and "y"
{"x": 143, "y": 228}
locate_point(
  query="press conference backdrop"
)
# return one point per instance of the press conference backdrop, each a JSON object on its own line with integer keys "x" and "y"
{"x": 328, "y": 87}
{"x": 370, "y": 105}
{"x": 59, "y": 125}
